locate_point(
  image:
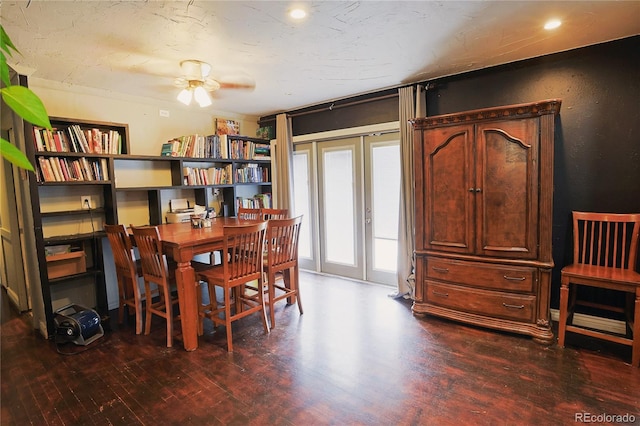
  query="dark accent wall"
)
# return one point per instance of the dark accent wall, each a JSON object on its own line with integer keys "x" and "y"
{"x": 597, "y": 143}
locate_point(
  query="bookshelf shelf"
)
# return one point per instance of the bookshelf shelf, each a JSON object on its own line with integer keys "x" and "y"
{"x": 72, "y": 212}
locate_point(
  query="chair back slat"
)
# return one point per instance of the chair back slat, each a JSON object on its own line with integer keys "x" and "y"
{"x": 152, "y": 258}
{"x": 244, "y": 245}
{"x": 606, "y": 239}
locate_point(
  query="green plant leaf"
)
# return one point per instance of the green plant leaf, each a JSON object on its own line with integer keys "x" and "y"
{"x": 4, "y": 70}
{"x": 14, "y": 155}
{"x": 5, "y": 42}
{"x": 27, "y": 105}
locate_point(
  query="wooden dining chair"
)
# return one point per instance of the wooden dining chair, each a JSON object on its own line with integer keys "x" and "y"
{"x": 268, "y": 214}
{"x": 249, "y": 214}
{"x": 281, "y": 259}
{"x": 128, "y": 270}
{"x": 155, "y": 271}
{"x": 605, "y": 250}
{"x": 243, "y": 246}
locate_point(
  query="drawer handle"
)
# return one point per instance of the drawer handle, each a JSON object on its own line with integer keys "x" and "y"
{"x": 443, "y": 270}
{"x": 506, "y": 305}
{"x": 437, "y": 293}
{"x": 514, "y": 278}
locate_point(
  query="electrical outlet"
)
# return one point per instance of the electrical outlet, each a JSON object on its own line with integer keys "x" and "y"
{"x": 86, "y": 202}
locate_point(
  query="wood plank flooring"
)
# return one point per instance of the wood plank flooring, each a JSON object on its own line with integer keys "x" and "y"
{"x": 356, "y": 357}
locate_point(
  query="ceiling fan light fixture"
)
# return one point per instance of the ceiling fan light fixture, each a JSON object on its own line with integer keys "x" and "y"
{"x": 185, "y": 96}
{"x": 202, "y": 97}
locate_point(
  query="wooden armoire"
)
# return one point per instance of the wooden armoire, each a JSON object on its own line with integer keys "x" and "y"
{"x": 483, "y": 220}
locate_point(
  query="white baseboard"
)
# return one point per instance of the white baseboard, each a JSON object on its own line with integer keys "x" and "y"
{"x": 597, "y": 323}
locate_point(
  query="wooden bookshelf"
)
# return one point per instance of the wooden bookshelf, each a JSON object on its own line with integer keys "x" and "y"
{"x": 83, "y": 167}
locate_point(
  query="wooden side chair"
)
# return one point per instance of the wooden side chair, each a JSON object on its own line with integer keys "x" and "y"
{"x": 155, "y": 270}
{"x": 282, "y": 257}
{"x": 268, "y": 214}
{"x": 243, "y": 249}
{"x": 127, "y": 272}
{"x": 249, "y": 214}
{"x": 605, "y": 250}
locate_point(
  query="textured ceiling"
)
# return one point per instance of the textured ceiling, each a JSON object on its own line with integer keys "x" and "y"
{"x": 341, "y": 49}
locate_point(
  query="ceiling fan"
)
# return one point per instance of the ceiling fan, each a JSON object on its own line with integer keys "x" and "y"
{"x": 196, "y": 83}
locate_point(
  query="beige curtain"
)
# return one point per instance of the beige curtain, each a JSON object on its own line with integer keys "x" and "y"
{"x": 283, "y": 176}
{"x": 409, "y": 108}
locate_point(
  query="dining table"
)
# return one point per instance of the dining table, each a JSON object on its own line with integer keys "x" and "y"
{"x": 183, "y": 242}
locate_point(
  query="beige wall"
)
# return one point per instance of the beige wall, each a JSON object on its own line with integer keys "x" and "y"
{"x": 147, "y": 129}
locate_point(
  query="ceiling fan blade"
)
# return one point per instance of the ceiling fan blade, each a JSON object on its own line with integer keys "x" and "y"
{"x": 181, "y": 82}
{"x": 237, "y": 85}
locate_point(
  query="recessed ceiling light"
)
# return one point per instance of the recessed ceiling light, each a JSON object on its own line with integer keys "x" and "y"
{"x": 297, "y": 13}
{"x": 552, "y": 24}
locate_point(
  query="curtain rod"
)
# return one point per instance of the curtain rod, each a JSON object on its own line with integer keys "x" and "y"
{"x": 333, "y": 105}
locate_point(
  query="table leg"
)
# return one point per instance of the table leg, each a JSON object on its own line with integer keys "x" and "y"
{"x": 187, "y": 299}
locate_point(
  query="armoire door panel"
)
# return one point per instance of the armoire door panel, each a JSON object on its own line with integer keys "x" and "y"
{"x": 449, "y": 203}
{"x": 507, "y": 178}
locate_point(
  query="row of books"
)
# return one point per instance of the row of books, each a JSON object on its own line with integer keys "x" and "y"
{"x": 195, "y": 146}
{"x": 262, "y": 151}
{"x": 76, "y": 139}
{"x": 259, "y": 201}
{"x": 222, "y": 147}
{"x": 208, "y": 176}
{"x": 252, "y": 173}
{"x": 61, "y": 169}
{"x": 246, "y": 150}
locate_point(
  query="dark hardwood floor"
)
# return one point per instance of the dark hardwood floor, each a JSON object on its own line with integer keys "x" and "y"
{"x": 356, "y": 357}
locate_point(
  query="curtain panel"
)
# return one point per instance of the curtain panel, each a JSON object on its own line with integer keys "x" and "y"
{"x": 410, "y": 107}
{"x": 283, "y": 176}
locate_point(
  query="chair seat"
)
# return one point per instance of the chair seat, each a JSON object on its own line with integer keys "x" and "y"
{"x": 621, "y": 277}
{"x": 212, "y": 273}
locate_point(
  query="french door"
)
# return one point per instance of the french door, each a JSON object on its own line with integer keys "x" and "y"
{"x": 348, "y": 190}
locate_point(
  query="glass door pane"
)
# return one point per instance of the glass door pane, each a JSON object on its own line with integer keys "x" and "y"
{"x": 303, "y": 189}
{"x": 382, "y": 198}
{"x": 340, "y": 208}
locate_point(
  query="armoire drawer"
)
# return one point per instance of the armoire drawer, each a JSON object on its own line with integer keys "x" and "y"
{"x": 483, "y": 302}
{"x": 499, "y": 277}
